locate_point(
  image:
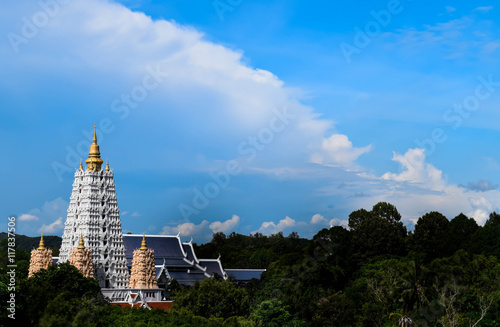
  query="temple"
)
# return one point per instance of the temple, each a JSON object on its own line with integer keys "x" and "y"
{"x": 132, "y": 270}
{"x": 93, "y": 212}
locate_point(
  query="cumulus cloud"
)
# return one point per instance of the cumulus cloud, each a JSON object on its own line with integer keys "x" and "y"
{"x": 226, "y": 226}
{"x": 45, "y": 215}
{"x": 339, "y": 222}
{"x": 27, "y": 217}
{"x": 202, "y": 231}
{"x": 318, "y": 219}
{"x": 269, "y": 227}
{"x": 56, "y": 226}
{"x": 337, "y": 149}
{"x": 188, "y": 229}
{"x": 416, "y": 170}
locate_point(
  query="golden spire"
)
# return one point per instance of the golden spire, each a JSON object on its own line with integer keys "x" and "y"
{"x": 143, "y": 244}
{"x": 41, "y": 246}
{"x": 80, "y": 243}
{"x": 81, "y": 165}
{"x": 94, "y": 161}
{"x": 107, "y": 165}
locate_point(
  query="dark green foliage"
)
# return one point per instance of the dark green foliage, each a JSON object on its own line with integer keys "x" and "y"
{"x": 373, "y": 274}
{"x": 486, "y": 240}
{"x": 429, "y": 235}
{"x": 27, "y": 243}
{"x": 493, "y": 220}
{"x": 60, "y": 283}
{"x": 213, "y": 298}
{"x": 460, "y": 231}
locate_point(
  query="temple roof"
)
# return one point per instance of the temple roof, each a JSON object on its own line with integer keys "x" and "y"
{"x": 178, "y": 260}
{"x": 214, "y": 266}
{"x": 165, "y": 246}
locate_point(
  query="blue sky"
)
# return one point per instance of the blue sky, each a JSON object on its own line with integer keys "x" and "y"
{"x": 251, "y": 115}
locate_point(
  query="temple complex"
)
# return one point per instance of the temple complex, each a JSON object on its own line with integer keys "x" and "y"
{"x": 132, "y": 270}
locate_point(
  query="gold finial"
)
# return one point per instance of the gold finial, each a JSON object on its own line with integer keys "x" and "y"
{"x": 94, "y": 140}
{"x": 81, "y": 164}
{"x": 94, "y": 161}
{"x": 80, "y": 243}
{"x": 41, "y": 246}
{"x": 143, "y": 244}
{"x": 107, "y": 165}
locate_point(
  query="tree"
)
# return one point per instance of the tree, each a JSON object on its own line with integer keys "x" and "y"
{"x": 212, "y": 298}
{"x": 36, "y": 293}
{"x": 274, "y": 313}
{"x": 494, "y": 220}
{"x": 460, "y": 231}
{"x": 374, "y": 237}
{"x": 387, "y": 211}
{"x": 486, "y": 240}
{"x": 429, "y": 235}
{"x": 377, "y": 232}
{"x": 357, "y": 217}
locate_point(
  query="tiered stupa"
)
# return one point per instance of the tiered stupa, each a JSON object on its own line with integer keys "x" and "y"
{"x": 93, "y": 212}
{"x": 143, "y": 268}
{"x": 81, "y": 258}
{"x": 41, "y": 258}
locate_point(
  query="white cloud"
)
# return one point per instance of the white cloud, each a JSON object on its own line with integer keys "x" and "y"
{"x": 136, "y": 214}
{"x": 337, "y": 149}
{"x": 226, "y": 226}
{"x": 269, "y": 227}
{"x": 318, "y": 219}
{"x": 484, "y": 9}
{"x": 57, "y": 225}
{"x": 188, "y": 229}
{"x": 416, "y": 170}
{"x": 338, "y": 222}
{"x": 44, "y": 215}
{"x": 27, "y": 217}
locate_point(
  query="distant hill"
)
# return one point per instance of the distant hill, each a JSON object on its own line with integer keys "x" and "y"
{"x": 27, "y": 243}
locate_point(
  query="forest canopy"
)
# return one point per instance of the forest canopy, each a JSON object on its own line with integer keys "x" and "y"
{"x": 374, "y": 273}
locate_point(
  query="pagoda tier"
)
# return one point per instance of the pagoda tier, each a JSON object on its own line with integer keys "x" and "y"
{"x": 93, "y": 212}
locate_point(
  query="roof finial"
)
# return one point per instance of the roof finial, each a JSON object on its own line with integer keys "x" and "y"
{"x": 80, "y": 243}
{"x": 94, "y": 140}
{"x": 81, "y": 164}
{"x": 41, "y": 246}
{"x": 94, "y": 161}
{"x": 107, "y": 165}
{"x": 143, "y": 244}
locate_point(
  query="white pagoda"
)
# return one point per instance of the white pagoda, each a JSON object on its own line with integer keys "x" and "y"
{"x": 93, "y": 212}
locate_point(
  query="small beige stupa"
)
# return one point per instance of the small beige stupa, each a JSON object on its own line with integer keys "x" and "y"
{"x": 81, "y": 258}
{"x": 41, "y": 258}
{"x": 143, "y": 268}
